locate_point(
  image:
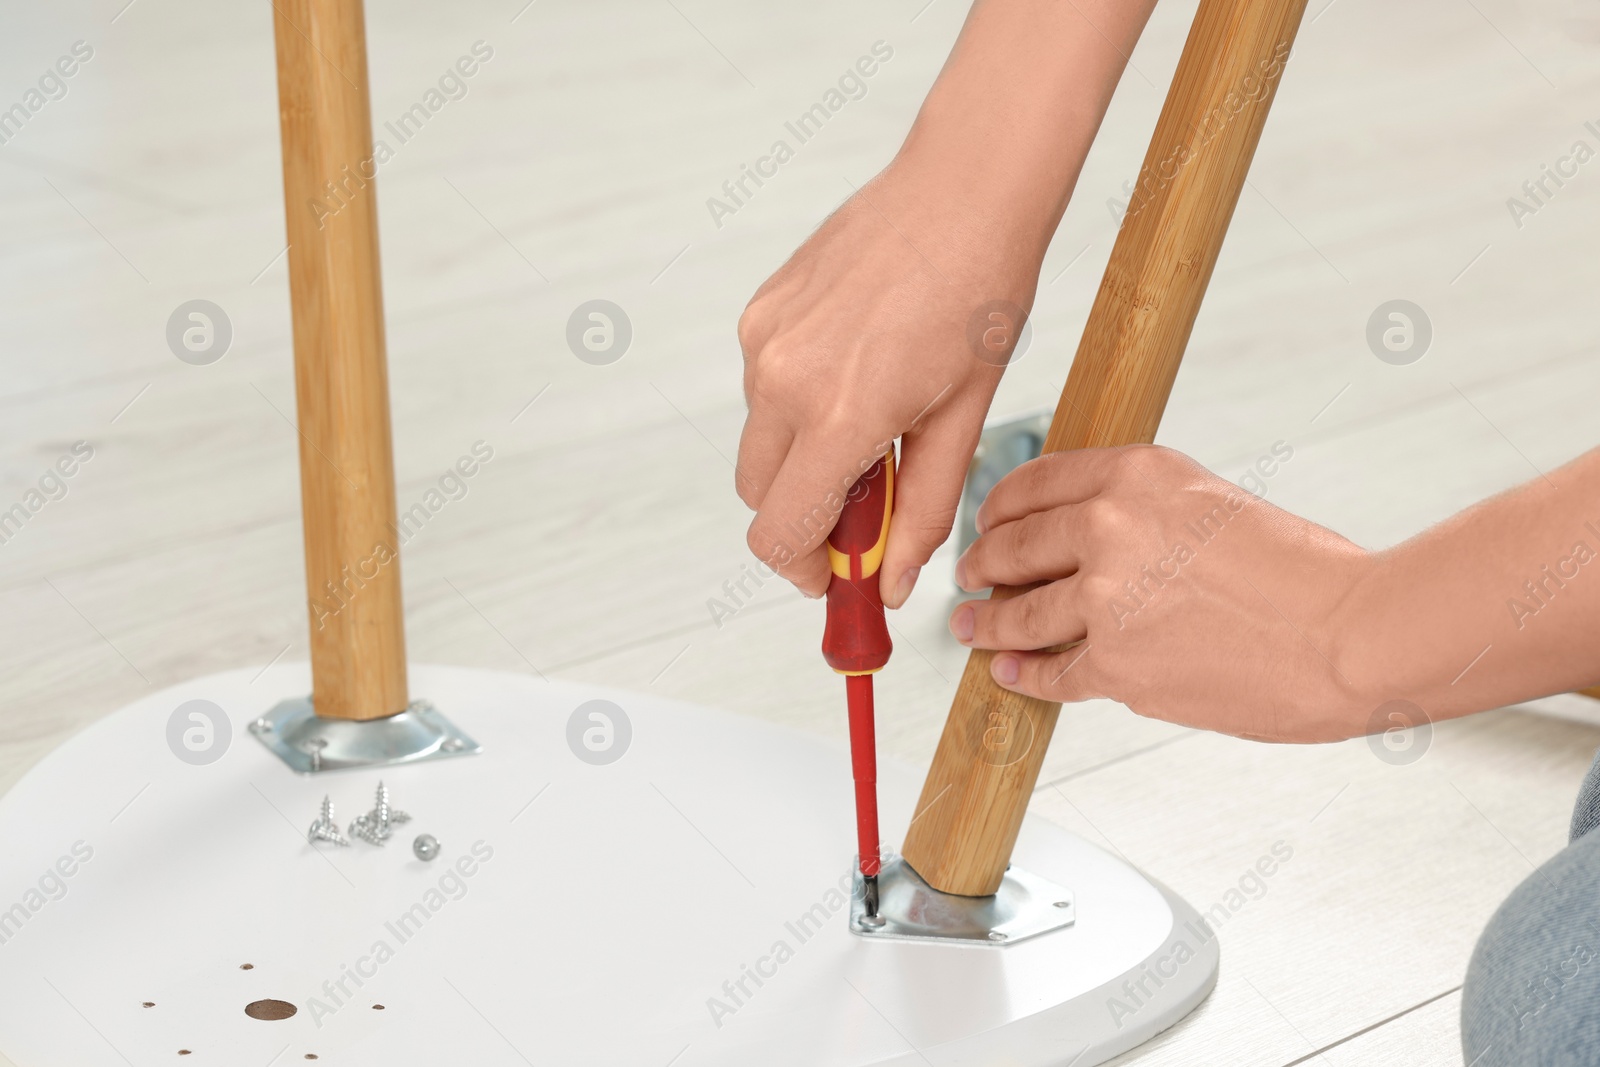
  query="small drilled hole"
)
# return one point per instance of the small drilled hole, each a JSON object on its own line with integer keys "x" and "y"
{"x": 270, "y": 1010}
{"x": 183, "y": 1052}
{"x": 311, "y": 1055}
{"x": 149, "y": 1003}
{"x": 247, "y": 966}
{"x": 377, "y": 1007}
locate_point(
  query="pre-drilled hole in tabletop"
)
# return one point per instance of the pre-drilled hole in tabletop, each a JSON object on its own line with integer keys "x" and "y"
{"x": 270, "y": 1010}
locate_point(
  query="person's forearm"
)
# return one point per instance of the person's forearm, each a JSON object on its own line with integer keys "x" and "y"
{"x": 1005, "y": 128}
{"x": 1498, "y": 604}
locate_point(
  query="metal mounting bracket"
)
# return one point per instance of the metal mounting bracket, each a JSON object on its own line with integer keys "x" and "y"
{"x": 310, "y": 744}
{"x": 909, "y": 909}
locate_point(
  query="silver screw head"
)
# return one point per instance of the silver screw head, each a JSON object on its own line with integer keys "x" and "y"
{"x": 425, "y": 847}
{"x": 323, "y": 828}
{"x": 996, "y": 935}
{"x": 261, "y": 726}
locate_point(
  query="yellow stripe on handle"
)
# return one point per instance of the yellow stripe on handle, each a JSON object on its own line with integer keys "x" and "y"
{"x": 872, "y": 558}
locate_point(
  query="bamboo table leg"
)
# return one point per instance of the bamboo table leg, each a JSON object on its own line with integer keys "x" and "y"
{"x": 994, "y": 741}
{"x": 341, "y": 381}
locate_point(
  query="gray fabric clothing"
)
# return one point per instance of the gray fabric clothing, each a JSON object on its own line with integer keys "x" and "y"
{"x": 1532, "y": 990}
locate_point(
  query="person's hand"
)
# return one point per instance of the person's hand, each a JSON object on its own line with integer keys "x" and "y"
{"x": 863, "y": 337}
{"x": 897, "y": 316}
{"x": 1194, "y": 601}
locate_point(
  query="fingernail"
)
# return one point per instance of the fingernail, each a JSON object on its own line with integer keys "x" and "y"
{"x": 980, "y": 524}
{"x": 902, "y": 589}
{"x": 961, "y": 623}
{"x": 961, "y": 573}
{"x": 1006, "y": 669}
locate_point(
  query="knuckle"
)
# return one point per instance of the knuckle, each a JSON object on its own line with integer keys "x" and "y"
{"x": 1104, "y": 519}
{"x": 1128, "y": 464}
{"x": 1156, "y": 453}
{"x": 753, "y": 325}
{"x": 770, "y": 379}
{"x": 833, "y": 416}
{"x": 1023, "y": 542}
{"x": 1099, "y": 588}
{"x": 1165, "y": 465}
{"x": 1167, "y": 457}
{"x": 1030, "y": 617}
{"x": 1036, "y": 475}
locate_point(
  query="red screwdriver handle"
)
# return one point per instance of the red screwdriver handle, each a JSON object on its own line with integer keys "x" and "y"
{"x": 856, "y": 638}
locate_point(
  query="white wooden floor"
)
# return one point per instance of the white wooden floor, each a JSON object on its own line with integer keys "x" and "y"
{"x": 577, "y": 166}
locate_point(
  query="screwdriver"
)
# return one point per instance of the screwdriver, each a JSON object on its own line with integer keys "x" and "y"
{"x": 855, "y": 641}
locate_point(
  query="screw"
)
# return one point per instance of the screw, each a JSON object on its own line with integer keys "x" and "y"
{"x": 386, "y": 814}
{"x": 324, "y": 828}
{"x": 375, "y": 826}
{"x": 425, "y": 847}
{"x": 1063, "y": 903}
{"x": 313, "y": 748}
{"x": 453, "y": 744}
{"x": 362, "y": 826}
{"x": 261, "y": 726}
{"x": 996, "y": 935}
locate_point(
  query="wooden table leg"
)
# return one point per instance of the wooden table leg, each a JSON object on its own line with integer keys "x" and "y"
{"x": 358, "y": 658}
{"x": 994, "y": 742}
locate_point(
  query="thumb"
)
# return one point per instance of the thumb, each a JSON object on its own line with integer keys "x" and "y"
{"x": 933, "y": 467}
